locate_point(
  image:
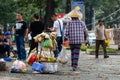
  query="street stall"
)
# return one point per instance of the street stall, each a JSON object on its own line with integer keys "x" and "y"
{"x": 44, "y": 61}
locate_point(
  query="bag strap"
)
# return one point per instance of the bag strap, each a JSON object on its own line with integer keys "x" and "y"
{"x": 60, "y": 27}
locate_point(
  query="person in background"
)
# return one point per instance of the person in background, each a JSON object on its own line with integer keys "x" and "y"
{"x": 87, "y": 43}
{"x": 75, "y": 32}
{"x": 57, "y": 27}
{"x": 21, "y": 31}
{"x": 36, "y": 27}
{"x": 9, "y": 39}
{"x": 4, "y": 46}
{"x": 100, "y": 38}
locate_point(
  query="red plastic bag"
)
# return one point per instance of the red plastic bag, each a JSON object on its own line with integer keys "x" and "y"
{"x": 31, "y": 58}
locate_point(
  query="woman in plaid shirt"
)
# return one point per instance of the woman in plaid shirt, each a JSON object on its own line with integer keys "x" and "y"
{"x": 75, "y": 32}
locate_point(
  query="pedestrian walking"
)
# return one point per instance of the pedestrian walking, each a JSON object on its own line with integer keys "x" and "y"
{"x": 75, "y": 32}
{"x": 21, "y": 32}
{"x": 57, "y": 27}
{"x": 36, "y": 27}
{"x": 100, "y": 39}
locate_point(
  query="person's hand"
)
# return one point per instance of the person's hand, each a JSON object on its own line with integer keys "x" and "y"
{"x": 50, "y": 29}
{"x": 65, "y": 38}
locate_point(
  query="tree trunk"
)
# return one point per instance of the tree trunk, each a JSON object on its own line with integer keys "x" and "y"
{"x": 50, "y": 9}
{"x": 68, "y": 6}
{"x": 91, "y": 16}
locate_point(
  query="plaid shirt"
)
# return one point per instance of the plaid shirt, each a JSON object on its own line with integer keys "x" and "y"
{"x": 75, "y": 31}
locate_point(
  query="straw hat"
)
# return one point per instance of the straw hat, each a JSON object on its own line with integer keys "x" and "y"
{"x": 75, "y": 13}
{"x": 77, "y": 8}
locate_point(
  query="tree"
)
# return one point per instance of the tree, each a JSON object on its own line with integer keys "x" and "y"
{"x": 68, "y": 6}
{"x": 6, "y": 10}
{"x": 50, "y": 10}
{"x": 9, "y": 8}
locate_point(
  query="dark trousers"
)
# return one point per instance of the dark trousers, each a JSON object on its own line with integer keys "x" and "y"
{"x": 98, "y": 43}
{"x": 33, "y": 45}
{"x": 59, "y": 46}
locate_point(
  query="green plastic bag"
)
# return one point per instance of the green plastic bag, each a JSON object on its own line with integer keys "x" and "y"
{"x": 47, "y": 43}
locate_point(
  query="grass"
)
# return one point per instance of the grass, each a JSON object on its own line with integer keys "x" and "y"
{"x": 101, "y": 49}
{"x": 84, "y": 48}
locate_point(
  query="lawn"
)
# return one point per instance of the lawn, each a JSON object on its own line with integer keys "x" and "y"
{"x": 92, "y": 48}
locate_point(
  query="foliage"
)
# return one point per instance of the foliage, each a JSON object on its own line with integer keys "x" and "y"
{"x": 9, "y": 8}
{"x": 103, "y": 8}
{"x": 83, "y": 47}
{"x": 6, "y": 11}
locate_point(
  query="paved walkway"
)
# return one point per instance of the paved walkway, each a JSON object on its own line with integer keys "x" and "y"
{"x": 89, "y": 69}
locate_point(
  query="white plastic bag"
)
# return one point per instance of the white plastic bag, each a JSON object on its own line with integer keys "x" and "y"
{"x": 19, "y": 65}
{"x": 50, "y": 67}
{"x": 63, "y": 57}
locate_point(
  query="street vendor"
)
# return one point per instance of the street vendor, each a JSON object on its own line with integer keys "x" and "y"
{"x": 75, "y": 32}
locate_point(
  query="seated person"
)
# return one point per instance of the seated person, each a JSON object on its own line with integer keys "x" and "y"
{"x": 9, "y": 39}
{"x": 4, "y": 46}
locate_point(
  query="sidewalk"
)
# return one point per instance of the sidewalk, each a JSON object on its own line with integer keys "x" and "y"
{"x": 90, "y": 69}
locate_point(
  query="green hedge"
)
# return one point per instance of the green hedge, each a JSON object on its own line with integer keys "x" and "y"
{"x": 84, "y": 48}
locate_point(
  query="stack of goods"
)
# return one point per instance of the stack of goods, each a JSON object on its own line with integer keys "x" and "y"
{"x": 47, "y": 41}
{"x": 44, "y": 61}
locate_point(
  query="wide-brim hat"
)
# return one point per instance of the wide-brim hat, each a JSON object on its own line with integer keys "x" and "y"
{"x": 75, "y": 13}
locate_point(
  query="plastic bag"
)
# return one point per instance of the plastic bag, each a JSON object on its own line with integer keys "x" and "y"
{"x": 107, "y": 42}
{"x": 63, "y": 57}
{"x": 38, "y": 67}
{"x": 50, "y": 67}
{"x": 47, "y": 43}
{"x": 32, "y": 57}
{"x": 19, "y": 65}
{"x": 66, "y": 44}
{"x": 6, "y": 59}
